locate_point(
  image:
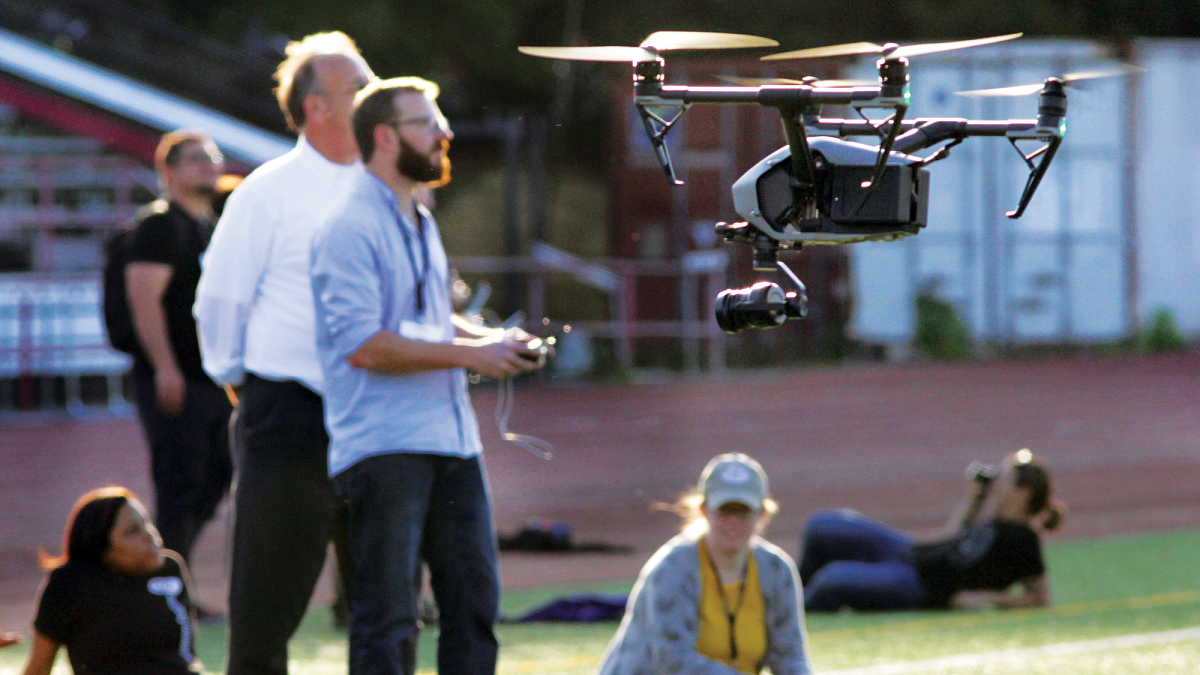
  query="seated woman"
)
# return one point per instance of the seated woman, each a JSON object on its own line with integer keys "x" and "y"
{"x": 115, "y": 599}
{"x": 852, "y": 561}
{"x": 716, "y": 599}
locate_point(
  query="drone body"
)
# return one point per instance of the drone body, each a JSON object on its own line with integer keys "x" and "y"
{"x": 895, "y": 208}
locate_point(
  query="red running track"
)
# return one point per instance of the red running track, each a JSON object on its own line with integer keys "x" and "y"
{"x": 1121, "y": 434}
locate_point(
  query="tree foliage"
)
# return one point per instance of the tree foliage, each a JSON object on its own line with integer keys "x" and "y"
{"x": 469, "y": 46}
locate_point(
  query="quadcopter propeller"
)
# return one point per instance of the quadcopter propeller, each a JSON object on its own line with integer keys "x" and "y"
{"x": 810, "y": 81}
{"x": 1027, "y": 89}
{"x": 648, "y": 50}
{"x": 890, "y": 50}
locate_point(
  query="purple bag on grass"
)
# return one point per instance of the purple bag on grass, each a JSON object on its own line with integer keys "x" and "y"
{"x": 582, "y": 608}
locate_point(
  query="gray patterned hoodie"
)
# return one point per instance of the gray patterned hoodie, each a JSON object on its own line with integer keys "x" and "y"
{"x": 658, "y": 634}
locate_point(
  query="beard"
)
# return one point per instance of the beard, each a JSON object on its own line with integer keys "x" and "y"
{"x": 424, "y": 167}
{"x": 205, "y": 190}
{"x": 196, "y": 190}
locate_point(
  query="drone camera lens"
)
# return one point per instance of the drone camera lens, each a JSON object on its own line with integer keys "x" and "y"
{"x": 763, "y": 305}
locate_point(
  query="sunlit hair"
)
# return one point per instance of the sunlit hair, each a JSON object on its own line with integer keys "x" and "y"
{"x": 297, "y": 76}
{"x": 171, "y": 146}
{"x": 89, "y": 526}
{"x": 375, "y": 105}
{"x": 1031, "y": 472}
{"x": 692, "y": 520}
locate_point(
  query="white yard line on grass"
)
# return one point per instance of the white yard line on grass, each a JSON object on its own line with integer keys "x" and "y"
{"x": 1061, "y": 649}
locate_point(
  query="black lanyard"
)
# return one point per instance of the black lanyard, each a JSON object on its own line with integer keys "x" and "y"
{"x": 419, "y": 274}
{"x": 730, "y": 614}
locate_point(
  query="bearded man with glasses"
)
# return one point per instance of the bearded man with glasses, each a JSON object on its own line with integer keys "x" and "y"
{"x": 405, "y": 448}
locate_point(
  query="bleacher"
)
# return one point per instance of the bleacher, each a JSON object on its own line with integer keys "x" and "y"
{"x": 53, "y": 350}
{"x": 86, "y": 88}
{"x": 60, "y": 198}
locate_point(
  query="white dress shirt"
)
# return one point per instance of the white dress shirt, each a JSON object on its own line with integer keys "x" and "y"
{"x": 254, "y": 305}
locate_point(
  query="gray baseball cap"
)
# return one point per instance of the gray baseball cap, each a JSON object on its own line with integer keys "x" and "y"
{"x": 733, "y": 477}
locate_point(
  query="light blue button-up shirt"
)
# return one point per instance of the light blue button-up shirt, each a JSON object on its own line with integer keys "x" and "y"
{"x": 364, "y": 280}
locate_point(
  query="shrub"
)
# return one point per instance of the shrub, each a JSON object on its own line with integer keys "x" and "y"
{"x": 941, "y": 334}
{"x": 1162, "y": 335}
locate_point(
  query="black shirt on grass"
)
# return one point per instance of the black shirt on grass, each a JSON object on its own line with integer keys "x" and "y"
{"x": 986, "y": 556}
{"x": 117, "y": 624}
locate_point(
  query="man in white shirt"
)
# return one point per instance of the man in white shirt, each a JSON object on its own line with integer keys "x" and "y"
{"x": 254, "y": 312}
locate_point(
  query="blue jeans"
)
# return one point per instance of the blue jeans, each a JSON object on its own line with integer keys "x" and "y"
{"x": 405, "y": 507}
{"x": 849, "y": 560}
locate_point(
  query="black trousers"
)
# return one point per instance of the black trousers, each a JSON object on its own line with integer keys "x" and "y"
{"x": 189, "y": 459}
{"x": 285, "y": 514}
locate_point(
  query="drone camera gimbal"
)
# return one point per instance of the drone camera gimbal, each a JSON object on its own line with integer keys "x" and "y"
{"x": 825, "y": 189}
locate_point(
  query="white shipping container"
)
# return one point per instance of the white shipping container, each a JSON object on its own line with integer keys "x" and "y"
{"x": 1071, "y": 269}
{"x": 1167, "y": 152}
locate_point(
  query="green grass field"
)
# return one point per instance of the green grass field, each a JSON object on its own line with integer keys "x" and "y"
{"x": 1123, "y": 605}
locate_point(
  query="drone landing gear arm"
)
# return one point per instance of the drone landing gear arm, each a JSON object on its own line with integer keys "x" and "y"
{"x": 887, "y": 140}
{"x": 657, "y": 128}
{"x": 923, "y": 133}
{"x": 1036, "y": 170}
{"x": 804, "y": 170}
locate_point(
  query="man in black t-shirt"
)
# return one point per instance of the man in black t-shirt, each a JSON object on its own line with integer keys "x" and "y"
{"x": 184, "y": 414}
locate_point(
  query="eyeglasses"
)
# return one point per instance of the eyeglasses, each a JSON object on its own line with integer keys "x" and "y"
{"x": 425, "y": 123}
{"x": 202, "y": 158}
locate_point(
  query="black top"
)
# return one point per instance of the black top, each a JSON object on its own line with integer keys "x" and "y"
{"x": 985, "y": 556}
{"x": 165, "y": 233}
{"x": 114, "y": 624}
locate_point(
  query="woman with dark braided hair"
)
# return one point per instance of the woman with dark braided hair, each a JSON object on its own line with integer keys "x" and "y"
{"x": 115, "y": 599}
{"x": 849, "y": 560}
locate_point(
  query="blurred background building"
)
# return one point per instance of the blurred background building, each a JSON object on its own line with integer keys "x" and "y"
{"x": 1111, "y": 238}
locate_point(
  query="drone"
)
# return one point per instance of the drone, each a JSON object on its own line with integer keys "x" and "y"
{"x": 825, "y": 189}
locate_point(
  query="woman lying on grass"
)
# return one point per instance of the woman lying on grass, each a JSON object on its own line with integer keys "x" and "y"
{"x": 115, "y": 599}
{"x": 716, "y": 599}
{"x": 849, "y": 560}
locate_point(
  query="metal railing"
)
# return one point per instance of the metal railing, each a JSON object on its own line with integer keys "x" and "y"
{"x": 700, "y": 274}
{"x": 51, "y": 327}
{"x": 41, "y": 192}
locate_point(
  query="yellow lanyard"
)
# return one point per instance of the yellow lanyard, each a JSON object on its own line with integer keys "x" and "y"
{"x": 730, "y": 613}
